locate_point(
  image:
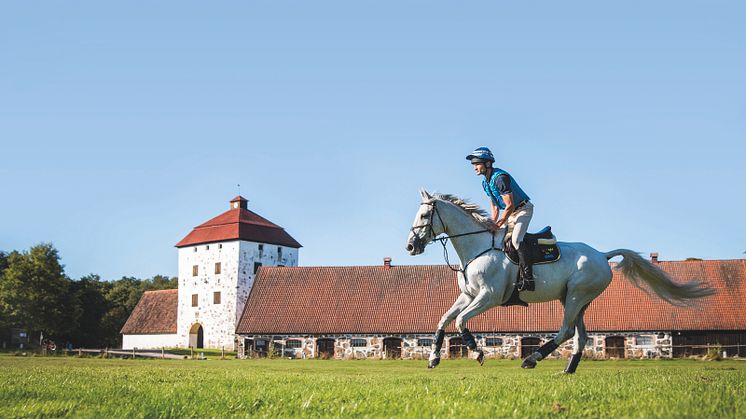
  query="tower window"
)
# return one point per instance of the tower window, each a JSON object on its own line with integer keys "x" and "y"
{"x": 195, "y": 249}
{"x": 257, "y": 265}
{"x": 279, "y": 253}
{"x": 216, "y": 297}
{"x": 207, "y": 247}
{"x": 195, "y": 300}
{"x": 220, "y": 246}
{"x": 217, "y": 267}
{"x": 195, "y": 270}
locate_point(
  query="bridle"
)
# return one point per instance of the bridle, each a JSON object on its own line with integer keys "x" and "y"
{"x": 444, "y": 239}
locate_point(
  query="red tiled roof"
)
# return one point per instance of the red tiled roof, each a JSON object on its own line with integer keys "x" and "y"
{"x": 411, "y": 299}
{"x": 154, "y": 313}
{"x": 239, "y": 224}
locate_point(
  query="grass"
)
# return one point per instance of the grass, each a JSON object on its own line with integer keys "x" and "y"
{"x": 90, "y": 387}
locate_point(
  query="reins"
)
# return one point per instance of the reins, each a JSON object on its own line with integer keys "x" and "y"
{"x": 444, "y": 240}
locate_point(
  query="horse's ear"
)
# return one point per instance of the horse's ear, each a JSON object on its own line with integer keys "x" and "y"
{"x": 425, "y": 196}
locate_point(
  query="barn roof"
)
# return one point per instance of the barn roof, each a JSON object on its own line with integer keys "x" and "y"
{"x": 411, "y": 299}
{"x": 154, "y": 313}
{"x": 238, "y": 223}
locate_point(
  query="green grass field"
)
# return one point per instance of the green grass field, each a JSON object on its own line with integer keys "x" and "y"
{"x": 59, "y": 386}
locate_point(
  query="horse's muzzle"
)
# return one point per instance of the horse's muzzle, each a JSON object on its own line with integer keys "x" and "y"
{"x": 414, "y": 246}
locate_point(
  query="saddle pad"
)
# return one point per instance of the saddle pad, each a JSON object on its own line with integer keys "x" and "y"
{"x": 538, "y": 252}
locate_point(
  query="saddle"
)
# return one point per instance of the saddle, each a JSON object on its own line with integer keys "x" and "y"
{"x": 542, "y": 247}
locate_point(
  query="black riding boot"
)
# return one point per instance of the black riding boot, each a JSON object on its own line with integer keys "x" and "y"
{"x": 526, "y": 275}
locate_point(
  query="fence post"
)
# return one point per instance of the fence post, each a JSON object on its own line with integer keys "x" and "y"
{"x": 133, "y": 352}
{"x": 191, "y": 350}
{"x": 163, "y": 352}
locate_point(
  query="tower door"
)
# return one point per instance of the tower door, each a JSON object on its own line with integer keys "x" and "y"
{"x": 197, "y": 336}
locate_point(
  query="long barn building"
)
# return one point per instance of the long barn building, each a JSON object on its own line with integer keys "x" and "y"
{"x": 392, "y": 311}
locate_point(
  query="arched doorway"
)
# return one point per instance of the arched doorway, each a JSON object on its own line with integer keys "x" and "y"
{"x": 529, "y": 346}
{"x": 615, "y": 347}
{"x": 197, "y": 336}
{"x": 456, "y": 348}
{"x": 392, "y": 348}
{"x": 325, "y": 348}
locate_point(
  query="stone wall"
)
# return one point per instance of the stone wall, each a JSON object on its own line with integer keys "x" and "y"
{"x": 416, "y": 346}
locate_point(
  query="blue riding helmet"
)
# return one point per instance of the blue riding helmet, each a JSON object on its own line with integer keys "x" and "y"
{"x": 481, "y": 154}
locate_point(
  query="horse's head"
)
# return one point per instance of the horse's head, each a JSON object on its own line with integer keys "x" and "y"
{"x": 425, "y": 226}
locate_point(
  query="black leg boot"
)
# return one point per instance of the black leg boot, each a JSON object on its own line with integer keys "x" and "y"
{"x": 526, "y": 275}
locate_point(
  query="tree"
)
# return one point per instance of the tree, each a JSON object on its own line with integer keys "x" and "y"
{"x": 88, "y": 295}
{"x": 33, "y": 290}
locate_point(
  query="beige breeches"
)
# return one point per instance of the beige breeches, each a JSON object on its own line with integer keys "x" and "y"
{"x": 518, "y": 223}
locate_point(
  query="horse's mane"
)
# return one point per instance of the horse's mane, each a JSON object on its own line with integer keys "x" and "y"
{"x": 470, "y": 208}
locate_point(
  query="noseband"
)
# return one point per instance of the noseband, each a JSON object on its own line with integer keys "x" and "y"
{"x": 444, "y": 240}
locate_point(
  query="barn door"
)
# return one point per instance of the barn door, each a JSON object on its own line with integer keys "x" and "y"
{"x": 392, "y": 348}
{"x": 456, "y": 348}
{"x": 529, "y": 346}
{"x": 325, "y": 348}
{"x": 615, "y": 347}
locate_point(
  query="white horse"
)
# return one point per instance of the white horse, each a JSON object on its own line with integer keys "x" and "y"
{"x": 487, "y": 275}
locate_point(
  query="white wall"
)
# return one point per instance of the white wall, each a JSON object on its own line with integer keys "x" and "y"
{"x": 153, "y": 341}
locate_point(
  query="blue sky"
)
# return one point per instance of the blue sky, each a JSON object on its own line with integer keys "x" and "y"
{"x": 124, "y": 126}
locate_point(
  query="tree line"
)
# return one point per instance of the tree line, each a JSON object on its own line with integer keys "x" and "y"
{"x": 37, "y": 296}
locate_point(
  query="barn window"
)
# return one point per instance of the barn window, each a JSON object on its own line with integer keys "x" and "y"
{"x": 643, "y": 340}
{"x": 217, "y": 267}
{"x": 358, "y": 343}
{"x": 257, "y": 265}
{"x": 220, "y": 246}
{"x": 195, "y": 300}
{"x": 195, "y": 249}
{"x": 425, "y": 342}
{"x": 493, "y": 341}
{"x": 216, "y": 297}
{"x": 293, "y": 343}
{"x": 195, "y": 270}
{"x": 207, "y": 247}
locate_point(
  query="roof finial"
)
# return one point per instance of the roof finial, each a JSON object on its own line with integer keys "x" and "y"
{"x": 239, "y": 189}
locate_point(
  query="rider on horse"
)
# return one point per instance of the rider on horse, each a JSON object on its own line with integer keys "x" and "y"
{"x": 506, "y": 195}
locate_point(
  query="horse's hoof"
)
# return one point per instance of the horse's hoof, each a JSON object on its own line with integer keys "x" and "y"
{"x": 480, "y": 358}
{"x": 433, "y": 363}
{"x": 528, "y": 363}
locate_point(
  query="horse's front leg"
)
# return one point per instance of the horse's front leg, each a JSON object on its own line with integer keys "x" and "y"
{"x": 459, "y": 305}
{"x": 482, "y": 302}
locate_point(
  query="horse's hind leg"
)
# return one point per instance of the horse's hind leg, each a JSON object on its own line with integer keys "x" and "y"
{"x": 459, "y": 305}
{"x": 572, "y": 364}
{"x": 573, "y": 307}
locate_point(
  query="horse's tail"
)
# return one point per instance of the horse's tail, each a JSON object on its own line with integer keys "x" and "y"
{"x": 638, "y": 271}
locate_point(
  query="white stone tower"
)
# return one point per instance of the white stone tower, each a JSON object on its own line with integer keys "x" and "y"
{"x": 218, "y": 261}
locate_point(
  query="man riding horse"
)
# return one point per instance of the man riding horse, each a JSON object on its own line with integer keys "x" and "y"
{"x": 516, "y": 206}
